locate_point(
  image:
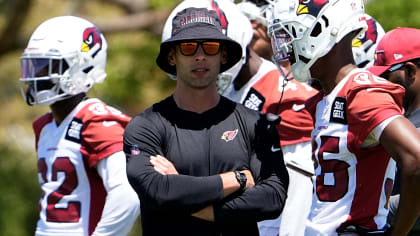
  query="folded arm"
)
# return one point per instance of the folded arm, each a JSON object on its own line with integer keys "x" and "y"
{"x": 229, "y": 182}
{"x": 265, "y": 199}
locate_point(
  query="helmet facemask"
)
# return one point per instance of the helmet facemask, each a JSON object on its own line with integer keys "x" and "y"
{"x": 284, "y": 37}
{"x": 312, "y": 30}
{"x": 40, "y": 81}
{"x": 281, "y": 42}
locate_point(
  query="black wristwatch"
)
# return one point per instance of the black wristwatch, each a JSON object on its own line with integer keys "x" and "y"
{"x": 241, "y": 178}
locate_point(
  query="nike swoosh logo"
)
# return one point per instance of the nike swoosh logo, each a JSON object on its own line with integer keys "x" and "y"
{"x": 109, "y": 123}
{"x": 273, "y": 149}
{"x": 297, "y": 107}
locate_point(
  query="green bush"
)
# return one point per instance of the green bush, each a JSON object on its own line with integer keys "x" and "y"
{"x": 20, "y": 192}
{"x": 391, "y": 14}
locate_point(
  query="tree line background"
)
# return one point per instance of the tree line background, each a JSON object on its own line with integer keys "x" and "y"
{"x": 132, "y": 29}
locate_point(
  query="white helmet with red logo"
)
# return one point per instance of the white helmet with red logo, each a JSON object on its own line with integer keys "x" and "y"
{"x": 365, "y": 44}
{"x": 235, "y": 25}
{"x": 65, "y": 56}
{"x": 306, "y": 30}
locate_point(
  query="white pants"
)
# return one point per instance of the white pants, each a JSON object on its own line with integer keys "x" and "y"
{"x": 299, "y": 195}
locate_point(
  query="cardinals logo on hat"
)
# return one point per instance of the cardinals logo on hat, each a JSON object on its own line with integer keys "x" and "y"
{"x": 91, "y": 38}
{"x": 311, "y": 7}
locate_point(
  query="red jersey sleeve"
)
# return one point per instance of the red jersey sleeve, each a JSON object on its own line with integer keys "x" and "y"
{"x": 296, "y": 123}
{"x": 102, "y": 133}
{"x": 370, "y": 105}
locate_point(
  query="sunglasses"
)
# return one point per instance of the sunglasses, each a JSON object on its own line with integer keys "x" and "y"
{"x": 210, "y": 48}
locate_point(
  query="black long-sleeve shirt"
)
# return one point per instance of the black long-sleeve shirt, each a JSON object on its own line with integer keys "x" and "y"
{"x": 201, "y": 146}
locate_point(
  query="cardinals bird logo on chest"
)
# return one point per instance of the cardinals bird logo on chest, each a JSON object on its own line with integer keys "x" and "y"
{"x": 229, "y": 135}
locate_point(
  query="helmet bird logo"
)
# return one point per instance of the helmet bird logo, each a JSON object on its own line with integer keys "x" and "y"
{"x": 311, "y": 7}
{"x": 221, "y": 16}
{"x": 371, "y": 34}
{"x": 91, "y": 37}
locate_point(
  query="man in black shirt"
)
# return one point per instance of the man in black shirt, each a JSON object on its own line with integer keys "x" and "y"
{"x": 201, "y": 164}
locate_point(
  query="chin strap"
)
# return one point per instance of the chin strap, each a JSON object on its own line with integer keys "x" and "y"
{"x": 285, "y": 81}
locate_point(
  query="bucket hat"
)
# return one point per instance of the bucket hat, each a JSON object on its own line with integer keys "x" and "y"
{"x": 198, "y": 24}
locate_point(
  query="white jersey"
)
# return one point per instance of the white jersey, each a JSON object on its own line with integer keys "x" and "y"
{"x": 262, "y": 93}
{"x": 73, "y": 193}
{"x": 353, "y": 177}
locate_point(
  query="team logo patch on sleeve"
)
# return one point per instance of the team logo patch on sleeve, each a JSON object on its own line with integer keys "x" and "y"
{"x": 229, "y": 135}
{"x": 74, "y": 130}
{"x": 338, "y": 111}
{"x": 254, "y": 100}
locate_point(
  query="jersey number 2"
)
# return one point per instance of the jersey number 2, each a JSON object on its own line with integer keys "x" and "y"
{"x": 55, "y": 214}
{"x": 337, "y": 168}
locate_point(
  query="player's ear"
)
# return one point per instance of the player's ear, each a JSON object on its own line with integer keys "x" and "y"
{"x": 410, "y": 69}
{"x": 223, "y": 56}
{"x": 171, "y": 57}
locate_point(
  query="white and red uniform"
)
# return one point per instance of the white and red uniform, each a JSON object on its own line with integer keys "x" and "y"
{"x": 262, "y": 93}
{"x": 81, "y": 170}
{"x": 353, "y": 172}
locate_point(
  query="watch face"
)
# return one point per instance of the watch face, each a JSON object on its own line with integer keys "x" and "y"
{"x": 241, "y": 177}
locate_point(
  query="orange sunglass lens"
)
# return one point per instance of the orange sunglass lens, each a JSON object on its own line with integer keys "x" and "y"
{"x": 211, "y": 48}
{"x": 189, "y": 48}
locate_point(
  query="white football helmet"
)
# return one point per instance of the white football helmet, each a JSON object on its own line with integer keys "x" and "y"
{"x": 240, "y": 30}
{"x": 365, "y": 44}
{"x": 306, "y": 30}
{"x": 235, "y": 25}
{"x": 255, "y": 10}
{"x": 65, "y": 56}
